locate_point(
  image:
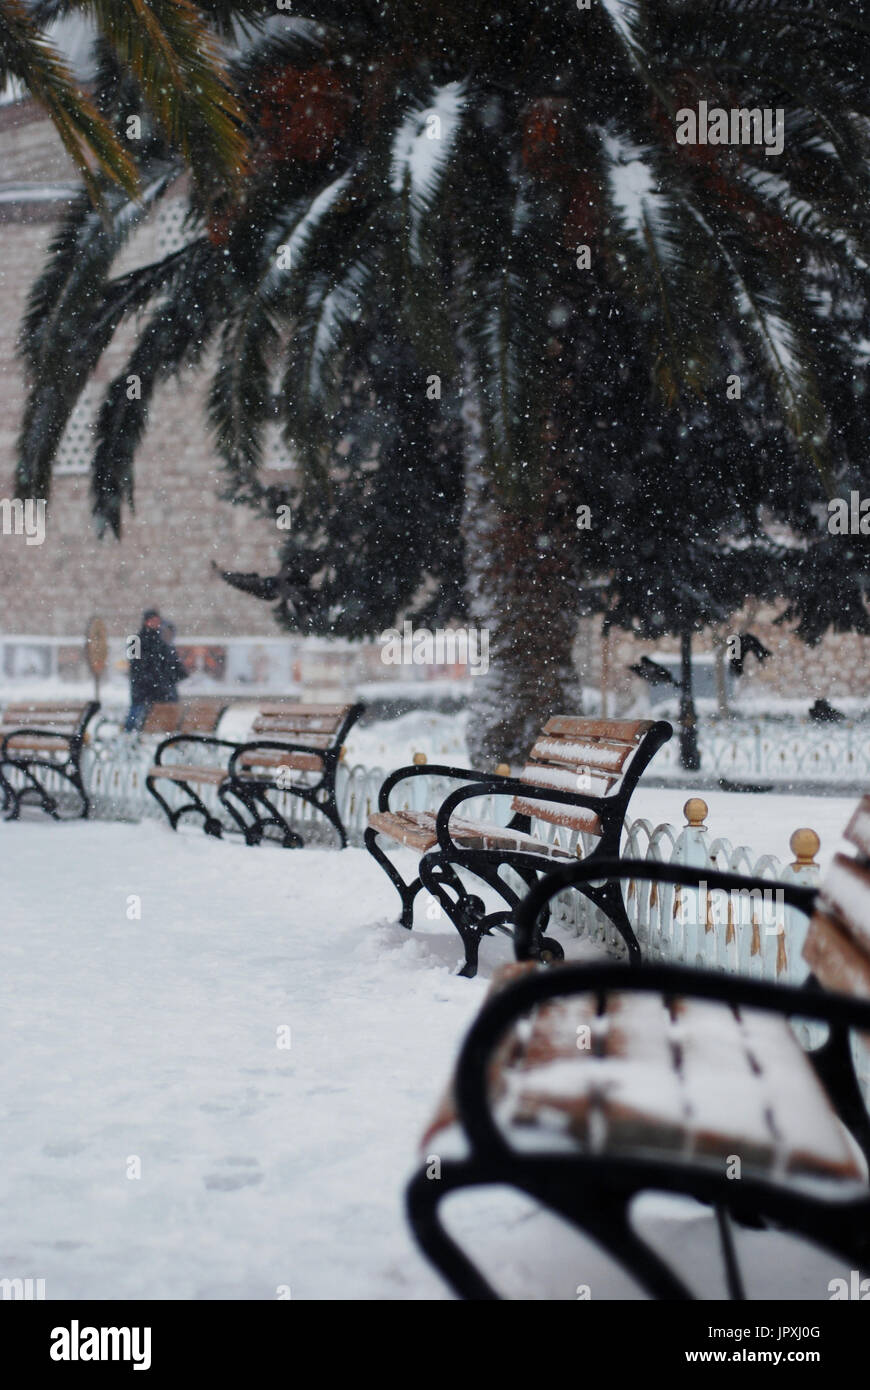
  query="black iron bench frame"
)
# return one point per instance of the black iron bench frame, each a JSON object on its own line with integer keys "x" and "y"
{"x": 437, "y": 867}
{"x": 595, "y": 1192}
{"x": 25, "y": 763}
{"x": 251, "y": 792}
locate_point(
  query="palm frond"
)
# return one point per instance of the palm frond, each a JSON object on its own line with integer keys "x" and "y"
{"x": 28, "y": 56}
{"x": 53, "y": 392}
{"x": 170, "y": 50}
{"x": 167, "y": 343}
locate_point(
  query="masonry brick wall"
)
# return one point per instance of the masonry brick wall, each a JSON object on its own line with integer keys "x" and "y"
{"x": 179, "y": 525}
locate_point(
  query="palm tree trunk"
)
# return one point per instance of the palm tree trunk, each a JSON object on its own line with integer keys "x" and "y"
{"x": 519, "y": 595}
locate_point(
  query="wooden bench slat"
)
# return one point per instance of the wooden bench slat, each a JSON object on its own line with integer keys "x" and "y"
{"x": 271, "y": 758}
{"x": 181, "y": 772}
{"x": 202, "y": 715}
{"x": 639, "y": 1078}
{"x": 569, "y": 817}
{"x": 846, "y": 890}
{"x": 163, "y": 718}
{"x": 806, "y": 1139}
{"x": 36, "y": 743}
{"x": 834, "y": 959}
{"x": 416, "y": 829}
{"x": 41, "y": 721}
{"x": 279, "y": 707}
{"x": 605, "y": 757}
{"x": 314, "y": 740}
{"x": 563, "y": 779}
{"x": 726, "y": 1100}
{"x": 857, "y": 832}
{"x": 271, "y": 726}
{"x": 617, "y": 730}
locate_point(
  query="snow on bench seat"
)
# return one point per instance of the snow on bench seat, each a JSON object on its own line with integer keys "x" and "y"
{"x": 699, "y": 1081}
{"x": 416, "y": 830}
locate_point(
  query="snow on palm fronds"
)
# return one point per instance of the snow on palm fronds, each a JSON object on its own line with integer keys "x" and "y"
{"x": 302, "y": 237}
{"x": 421, "y": 151}
{"x": 651, "y": 220}
{"x": 336, "y": 312}
{"x": 823, "y": 225}
{"x": 631, "y": 185}
{"x": 771, "y": 329}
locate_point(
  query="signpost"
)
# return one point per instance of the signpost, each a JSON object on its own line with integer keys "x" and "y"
{"x": 96, "y": 651}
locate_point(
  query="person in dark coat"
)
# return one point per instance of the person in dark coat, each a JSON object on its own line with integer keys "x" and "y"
{"x": 176, "y": 670}
{"x": 154, "y": 672}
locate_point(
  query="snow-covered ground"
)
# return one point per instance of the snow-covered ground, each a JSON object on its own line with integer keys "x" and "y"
{"x": 155, "y": 1038}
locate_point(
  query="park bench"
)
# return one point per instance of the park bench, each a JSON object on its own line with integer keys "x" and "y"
{"x": 43, "y": 741}
{"x": 586, "y": 1085}
{"x": 580, "y": 776}
{"x": 293, "y": 748}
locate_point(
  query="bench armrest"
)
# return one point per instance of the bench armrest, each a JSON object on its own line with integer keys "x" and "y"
{"x": 191, "y": 738}
{"x": 516, "y": 999}
{"x": 435, "y": 770}
{"x": 513, "y": 786}
{"x": 690, "y": 875}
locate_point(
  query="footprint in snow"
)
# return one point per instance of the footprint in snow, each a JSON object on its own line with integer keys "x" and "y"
{"x": 230, "y": 1182}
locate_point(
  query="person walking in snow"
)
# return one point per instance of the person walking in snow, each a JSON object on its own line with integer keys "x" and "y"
{"x": 154, "y": 672}
{"x": 176, "y": 670}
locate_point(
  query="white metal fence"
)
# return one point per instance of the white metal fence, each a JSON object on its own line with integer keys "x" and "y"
{"x": 784, "y": 751}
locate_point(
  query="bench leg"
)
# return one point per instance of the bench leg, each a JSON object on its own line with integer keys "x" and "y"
{"x": 260, "y": 809}
{"x": 328, "y": 807}
{"x": 605, "y": 1216}
{"x": 406, "y": 891}
{"x": 210, "y": 824}
{"x": 601, "y": 1215}
{"x": 423, "y": 1198}
{"x": 10, "y": 800}
{"x": 466, "y": 911}
{"x": 733, "y": 1277}
{"x": 32, "y": 784}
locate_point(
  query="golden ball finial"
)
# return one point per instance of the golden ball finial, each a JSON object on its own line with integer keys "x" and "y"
{"x": 695, "y": 811}
{"x": 419, "y": 759}
{"x": 804, "y": 845}
{"x": 503, "y": 770}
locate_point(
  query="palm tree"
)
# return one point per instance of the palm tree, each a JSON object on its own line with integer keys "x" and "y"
{"x": 511, "y": 181}
{"x": 171, "y": 50}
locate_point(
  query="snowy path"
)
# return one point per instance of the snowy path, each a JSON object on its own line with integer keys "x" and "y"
{"x": 157, "y": 1038}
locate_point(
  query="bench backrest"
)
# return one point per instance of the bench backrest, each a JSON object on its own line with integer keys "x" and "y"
{"x": 202, "y": 715}
{"x": 587, "y": 756}
{"x": 163, "y": 718}
{"x": 315, "y": 725}
{"x": 196, "y": 716}
{"x": 837, "y": 946}
{"x": 56, "y": 716}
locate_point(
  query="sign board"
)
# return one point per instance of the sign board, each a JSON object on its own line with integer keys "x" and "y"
{"x": 96, "y": 650}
